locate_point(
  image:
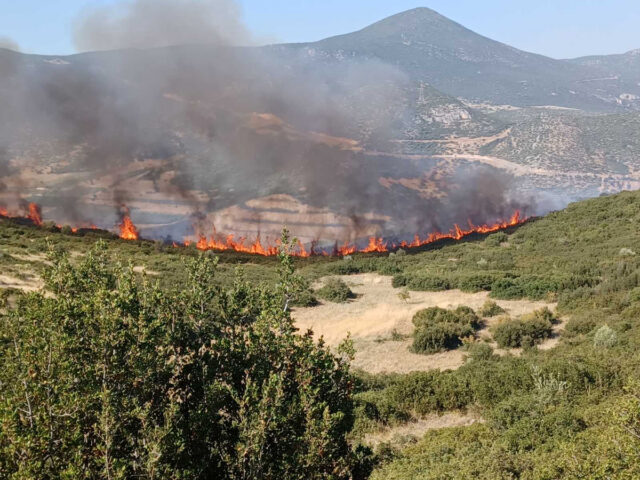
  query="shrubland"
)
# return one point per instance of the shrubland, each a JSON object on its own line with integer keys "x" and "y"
{"x": 105, "y": 376}
{"x": 568, "y": 412}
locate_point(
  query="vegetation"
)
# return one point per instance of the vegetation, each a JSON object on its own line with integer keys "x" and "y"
{"x": 563, "y": 413}
{"x": 107, "y": 377}
{"x": 336, "y": 290}
{"x": 525, "y": 331}
{"x": 491, "y": 309}
{"x": 438, "y": 329}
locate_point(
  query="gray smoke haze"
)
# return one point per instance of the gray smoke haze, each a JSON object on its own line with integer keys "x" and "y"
{"x": 218, "y": 125}
{"x": 6, "y": 42}
{"x": 160, "y": 23}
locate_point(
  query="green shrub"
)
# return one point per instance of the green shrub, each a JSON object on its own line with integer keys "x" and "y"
{"x": 428, "y": 283}
{"x": 634, "y": 295}
{"x": 438, "y": 337}
{"x": 438, "y": 329}
{"x": 462, "y": 315}
{"x": 427, "y": 392}
{"x": 578, "y": 325}
{"x": 399, "y": 281}
{"x": 535, "y": 286}
{"x": 305, "y": 298}
{"x": 421, "y": 282}
{"x": 376, "y": 406}
{"x": 125, "y": 380}
{"x": 526, "y": 330}
{"x": 605, "y": 337}
{"x": 491, "y": 309}
{"x": 335, "y": 290}
{"x": 477, "y": 283}
{"x": 479, "y": 351}
{"x": 495, "y": 239}
{"x": 506, "y": 289}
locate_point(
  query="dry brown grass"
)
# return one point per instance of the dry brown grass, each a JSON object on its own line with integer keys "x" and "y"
{"x": 418, "y": 428}
{"x": 377, "y": 312}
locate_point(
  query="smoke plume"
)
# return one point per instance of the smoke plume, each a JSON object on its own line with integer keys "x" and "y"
{"x": 9, "y": 44}
{"x": 161, "y": 23}
{"x": 173, "y": 118}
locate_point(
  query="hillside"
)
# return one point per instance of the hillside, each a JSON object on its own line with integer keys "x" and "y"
{"x": 392, "y": 117}
{"x": 556, "y": 408}
{"x": 461, "y": 63}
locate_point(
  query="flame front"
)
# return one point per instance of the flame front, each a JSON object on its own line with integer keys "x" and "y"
{"x": 35, "y": 214}
{"x": 128, "y": 230}
{"x": 376, "y": 244}
{"x": 32, "y": 212}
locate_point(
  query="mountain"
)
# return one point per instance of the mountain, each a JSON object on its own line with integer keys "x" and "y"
{"x": 459, "y": 62}
{"x": 366, "y": 131}
{"x": 624, "y": 67}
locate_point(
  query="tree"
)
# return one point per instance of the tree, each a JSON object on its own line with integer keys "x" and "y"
{"x": 106, "y": 376}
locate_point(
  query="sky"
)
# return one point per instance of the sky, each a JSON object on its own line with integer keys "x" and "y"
{"x": 556, "y": 28}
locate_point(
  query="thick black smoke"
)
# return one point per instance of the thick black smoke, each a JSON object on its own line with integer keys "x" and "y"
{"x": 173, "y": 100}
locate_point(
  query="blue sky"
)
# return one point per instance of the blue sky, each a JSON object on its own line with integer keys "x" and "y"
{"x": 557, "y": 28}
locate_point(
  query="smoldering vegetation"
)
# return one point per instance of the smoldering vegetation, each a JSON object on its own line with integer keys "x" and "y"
{"x": 174, "y": 81}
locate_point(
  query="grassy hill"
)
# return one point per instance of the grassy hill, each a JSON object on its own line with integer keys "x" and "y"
{"x": 571, "y": 411}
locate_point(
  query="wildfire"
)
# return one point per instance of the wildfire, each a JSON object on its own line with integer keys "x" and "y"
{"x": 32, "y": 212}
{"x": 35, "y": 214}
{"x": 375, "y": 244}
{"x": 128, "y": 230}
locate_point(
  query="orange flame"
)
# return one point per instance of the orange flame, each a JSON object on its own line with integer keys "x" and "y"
{"x": 35, "y": 214}
{"x": 376, "y": 244}
{"x": 128, "y": 230}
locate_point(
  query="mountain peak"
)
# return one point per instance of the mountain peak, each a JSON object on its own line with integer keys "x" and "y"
{"x": 421, "y": 17}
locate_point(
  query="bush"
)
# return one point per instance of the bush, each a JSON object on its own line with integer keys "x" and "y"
{"x": 506, "y": 289}
{"x": 427, "y": 392}
{"x": 335, "y": 290}
{"x": 438, "y": 329}
{"x": 428, "y": 283}
{"x": 305, "y": 298}
{"x": 536, "y": 287}
{"x": 421, "y": 282}
{"x": 399, "y": 280}
{"x": 580, "y": 325}
{"x": 462, "y": 315}
{"x": 477, "y": 282}
{"x": 479, "y": 351}
{"x": 526, "y": 330}
{"x": 605, "y": 337}
{"x": 495, "y": 239}
{"x": 438, "y": 337}
{"x": 634, "y": 295}
{"x": 491, "y": 309}
{"x": 108, "y": 377}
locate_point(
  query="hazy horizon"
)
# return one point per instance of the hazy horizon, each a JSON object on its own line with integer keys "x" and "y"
{"x": 575, "y": 28}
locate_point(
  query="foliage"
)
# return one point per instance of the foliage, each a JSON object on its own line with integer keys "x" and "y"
{"x": 495, "y": 239}
{"x": 491, "y": 309}
{"x": 438, "y": 329}
{"x": 524, "y": 331}
{"x": 335, "y": 290}
{"x": 478, "y": 351}
{"x": 605, "y": 337}
{"x": 107, "y": 377}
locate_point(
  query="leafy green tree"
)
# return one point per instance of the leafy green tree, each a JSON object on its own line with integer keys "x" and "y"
{"x": 107, "y": 377}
